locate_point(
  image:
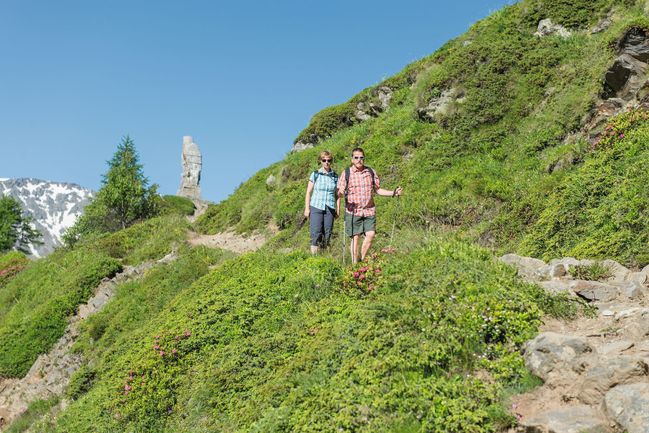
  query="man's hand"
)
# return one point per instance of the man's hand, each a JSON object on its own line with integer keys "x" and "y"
{"x": 398, "y": 191}
{"x": 307, "y": 212}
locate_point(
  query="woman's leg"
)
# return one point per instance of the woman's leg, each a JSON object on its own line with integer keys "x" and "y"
{"x": 328, "y": 225}
{"x": 316, "y": 221}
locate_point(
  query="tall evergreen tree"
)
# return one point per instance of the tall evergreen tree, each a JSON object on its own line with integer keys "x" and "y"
{"x": 124, "y": 198}
{"x": 16, "y": 231}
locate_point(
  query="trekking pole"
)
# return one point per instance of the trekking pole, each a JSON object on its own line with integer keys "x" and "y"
{"x": 394, "y": 222}
{"x": 344, "y": 238}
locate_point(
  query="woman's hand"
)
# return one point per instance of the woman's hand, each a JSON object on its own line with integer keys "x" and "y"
{"x": 307, "y": 212}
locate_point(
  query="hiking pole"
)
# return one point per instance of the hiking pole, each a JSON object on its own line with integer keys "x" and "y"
{"x": 344, "y": 239}
{"x": 394, "y": 221}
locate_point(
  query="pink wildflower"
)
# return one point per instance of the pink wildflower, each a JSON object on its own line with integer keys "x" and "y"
{"x": 162, "y": 353}
{"x": 187, "y": 333}
{"x": 174, "y": 351}
{"x": 127, "y": 387}
{"x": 356, "y": 274}
{"x": 156, "y": 347}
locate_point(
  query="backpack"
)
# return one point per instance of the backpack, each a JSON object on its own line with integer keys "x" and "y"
{"x": 317, "y": 173}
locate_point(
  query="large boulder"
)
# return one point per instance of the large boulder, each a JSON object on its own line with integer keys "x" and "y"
{"x": 550, "y": 352}
{"x": 573, "y": 419}
{"x": 610, "y": 373}
{"x": 627, "y": 405}
{"x": 528, "y": 267}
{"x": 636, "y": 44}
{"x": 594, "y": 290}
{"x": 547, "y": 28}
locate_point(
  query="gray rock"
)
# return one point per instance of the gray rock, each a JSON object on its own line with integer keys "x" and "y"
{"x": 594, "y": 290}
{"x": 547, "y": 28}
{"x": 528, "y": 267}
{"x": 601, "y": 26}
{"x": 619, "y": 76}
{"x": 615, "y": 347}
{"x": 609, "y": 373}
{"x": 573, "y": 419}
{"x": 299, "y": 146}
{"x": 636, "y": 44}
{"x": 550, "y": 352}
{"x": 442, "y": 105}
{"x": 192, "y": 163}
{"x": 618, "y": 272}
{"x": 270, "y": 180}
{"x": 384, "y": 94}
{"x": 640, "y": 277}
{"x": 556, "y": 286}
{"x": 630, "y": 289}
{"x": 627, "y": 405}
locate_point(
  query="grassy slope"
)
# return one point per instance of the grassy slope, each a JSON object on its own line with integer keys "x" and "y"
{"x": 483, "y": 166}
{"x": 286, "y": 342}
{"x": 34, "y": 305}
{"x": 273, "y": 342}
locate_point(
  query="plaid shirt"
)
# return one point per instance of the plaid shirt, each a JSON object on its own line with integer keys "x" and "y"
{"x": 359, "y": 191}
{"x": 324, "y": 189}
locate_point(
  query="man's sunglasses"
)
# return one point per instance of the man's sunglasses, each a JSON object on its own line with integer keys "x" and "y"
{"x": 359, "y": 157}
{"x": 327, "y": 160}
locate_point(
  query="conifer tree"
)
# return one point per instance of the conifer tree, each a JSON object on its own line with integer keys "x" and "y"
{"x": 16, "y": 231}
{"x": 124, "y": 198}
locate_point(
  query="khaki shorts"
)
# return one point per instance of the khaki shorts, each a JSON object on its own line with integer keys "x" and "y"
{"x": 361, "y": 224}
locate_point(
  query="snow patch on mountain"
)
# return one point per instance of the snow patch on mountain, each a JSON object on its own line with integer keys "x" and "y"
{"x": 54, "y": 207}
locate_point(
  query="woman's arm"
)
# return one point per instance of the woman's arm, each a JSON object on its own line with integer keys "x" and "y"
{"x": 337, "y": 205}
{"x": 307, "y": 199}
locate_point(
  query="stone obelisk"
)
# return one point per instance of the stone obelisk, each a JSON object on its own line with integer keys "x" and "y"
{"x": 192, "y": 162}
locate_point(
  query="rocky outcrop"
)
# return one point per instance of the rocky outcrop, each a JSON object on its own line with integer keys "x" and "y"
{"x": 192, "y": 163}
{"x": 367, "y": 110}
{"x": 443, "y": 105}
{"x": 595, "y": 370}
{"x": 625, "y": 82}
{"x": 359, "y": 109}
{"x": 547, "y": 28}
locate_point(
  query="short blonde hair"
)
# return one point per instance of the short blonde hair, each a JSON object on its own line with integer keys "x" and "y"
{"x": 325, "y": 153}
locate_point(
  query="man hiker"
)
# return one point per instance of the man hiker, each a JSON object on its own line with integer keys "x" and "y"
{"x": 357, "y": 184}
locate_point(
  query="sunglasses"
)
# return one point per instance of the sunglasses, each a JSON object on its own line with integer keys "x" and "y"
{"x": 326, "y": 160}
{"x": 359, "y": 157}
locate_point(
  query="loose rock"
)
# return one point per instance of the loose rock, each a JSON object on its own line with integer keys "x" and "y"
{"x": 628, "y": 404}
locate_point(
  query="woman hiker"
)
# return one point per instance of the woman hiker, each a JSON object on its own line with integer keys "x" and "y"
{"x": 321, "y": 202}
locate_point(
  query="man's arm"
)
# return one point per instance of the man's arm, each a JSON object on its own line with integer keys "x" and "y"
{"x": 388, "y": 193}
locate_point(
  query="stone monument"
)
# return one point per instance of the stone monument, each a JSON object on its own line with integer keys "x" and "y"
{"x": 192, "y": 163}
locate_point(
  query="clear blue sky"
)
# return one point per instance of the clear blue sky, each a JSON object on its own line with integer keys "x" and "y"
{"x": 243, "y": 78}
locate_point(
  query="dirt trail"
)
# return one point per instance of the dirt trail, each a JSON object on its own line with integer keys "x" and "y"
{"x": 229, "y": 240}
{"x": 50, "y": 375}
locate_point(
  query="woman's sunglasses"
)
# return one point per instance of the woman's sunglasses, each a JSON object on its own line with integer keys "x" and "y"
{"x": 326, "y": 160}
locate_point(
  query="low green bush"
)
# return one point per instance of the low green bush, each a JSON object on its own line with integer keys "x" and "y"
{"x": 173, "y": 204}
{"x": 275, "y": 342}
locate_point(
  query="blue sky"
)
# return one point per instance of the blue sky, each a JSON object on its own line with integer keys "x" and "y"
{"x": 243, "y": 78}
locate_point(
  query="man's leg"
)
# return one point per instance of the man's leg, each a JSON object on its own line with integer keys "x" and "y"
{"x": 367, "y": 243}
{"x": 354, "y": 248}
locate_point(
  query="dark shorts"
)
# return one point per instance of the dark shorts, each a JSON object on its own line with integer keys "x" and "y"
{"x": 361, "y": 225}
{"x": 320, "y": 225}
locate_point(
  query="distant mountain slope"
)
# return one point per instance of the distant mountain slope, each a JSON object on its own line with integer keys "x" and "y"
{"x": 55, "y": 206}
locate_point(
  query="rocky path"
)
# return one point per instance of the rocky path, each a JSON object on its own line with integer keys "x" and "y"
{"x": 50, "y": 375}
{"x": 595, "y": 370}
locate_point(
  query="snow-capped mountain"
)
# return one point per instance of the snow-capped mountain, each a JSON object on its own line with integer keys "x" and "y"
{"x": 54, "y": 207}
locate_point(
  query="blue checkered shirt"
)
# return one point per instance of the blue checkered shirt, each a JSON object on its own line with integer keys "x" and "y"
{"x": 324, "y": 189}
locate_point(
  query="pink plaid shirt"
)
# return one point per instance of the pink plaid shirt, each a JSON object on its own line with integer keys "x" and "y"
{"x": 359, "y": 191}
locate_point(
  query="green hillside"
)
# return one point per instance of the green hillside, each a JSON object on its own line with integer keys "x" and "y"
{"x": 493, "y": 141}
